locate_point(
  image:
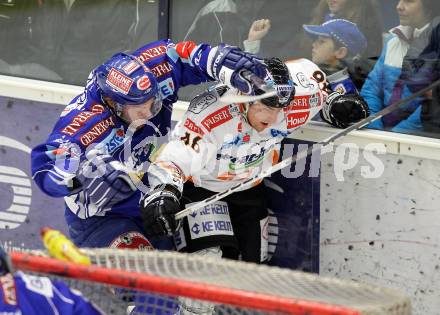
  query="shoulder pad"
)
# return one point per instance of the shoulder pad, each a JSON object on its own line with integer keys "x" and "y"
{"x": 199, "y": 103}
{"x": 307, "y": 76}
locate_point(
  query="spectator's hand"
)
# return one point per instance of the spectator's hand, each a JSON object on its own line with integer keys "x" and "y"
{"x": 158, "y": 211}
{"x": 259, "y": 29}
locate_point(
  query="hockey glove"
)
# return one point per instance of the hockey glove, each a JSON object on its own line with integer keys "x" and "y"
{"x": 231, "y": 63}
{"x": 5, "y": 262}
{"x": 104, "y": 180}
{"x": 158, "y": 211}
{"x": 343, "y": 110}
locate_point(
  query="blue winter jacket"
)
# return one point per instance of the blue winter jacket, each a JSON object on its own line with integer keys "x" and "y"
{"x": 381, "y": 81}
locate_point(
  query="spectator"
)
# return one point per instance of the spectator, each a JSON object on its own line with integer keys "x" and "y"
{"x": 27, "y": 29}
{"x": 384, "y": 85}
{"x": 365, "y": 13}
{"x": 283, "y": 30}
{"x": 421, "y": 67}
{"x": 91, "y": 32}
{"x": 257, "y": 32}
{"x": 217, "y": 22}
{"x": 337, "y": 43}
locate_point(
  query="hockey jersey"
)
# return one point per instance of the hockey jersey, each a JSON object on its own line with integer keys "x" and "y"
{"x": 216, "y": 148}
{"x": 86, "y": 122}
{"x": 32, "y": 295}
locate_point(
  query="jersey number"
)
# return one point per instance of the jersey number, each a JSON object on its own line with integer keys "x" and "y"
{"x": 187, "y": 140}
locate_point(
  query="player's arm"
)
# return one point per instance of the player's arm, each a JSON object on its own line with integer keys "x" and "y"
{"x": 340, "y": 110}
{"x": 63, "y": 167}
{"x": 200, "y": 63}
{"x": 54, "y": 165}
{"x": 184, "y": 156}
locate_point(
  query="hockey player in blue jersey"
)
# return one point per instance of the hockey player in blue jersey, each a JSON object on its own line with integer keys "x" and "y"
{"x": 31, "y": 295}
{"x": 95, "y": 161}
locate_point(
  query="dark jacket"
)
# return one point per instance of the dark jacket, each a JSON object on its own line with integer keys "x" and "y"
{"x": 421, "y": 67}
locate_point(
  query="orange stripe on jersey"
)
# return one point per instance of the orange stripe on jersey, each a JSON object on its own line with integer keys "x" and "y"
{"x": 184, "y": 49}
{"x": 275, "y": 157}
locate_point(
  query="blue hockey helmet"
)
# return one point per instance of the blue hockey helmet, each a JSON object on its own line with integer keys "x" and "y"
{"x": 126, "y": 80}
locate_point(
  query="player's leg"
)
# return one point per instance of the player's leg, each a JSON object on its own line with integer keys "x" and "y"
{"x": 206, "y": 233}
{"x": 249, "y": 218}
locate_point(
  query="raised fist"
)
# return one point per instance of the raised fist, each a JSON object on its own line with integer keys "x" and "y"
{"x": 259, "y": 29}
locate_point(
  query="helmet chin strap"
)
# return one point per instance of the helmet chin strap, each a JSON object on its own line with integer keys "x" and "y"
{"x": 116, "y": 109}
{"x": 246, "y": 109}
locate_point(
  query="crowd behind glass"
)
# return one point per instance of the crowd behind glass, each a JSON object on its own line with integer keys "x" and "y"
{"x": 389, "y": 49}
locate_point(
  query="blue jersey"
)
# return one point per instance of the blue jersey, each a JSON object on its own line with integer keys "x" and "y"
{"x": 87, "y": 122}
{"x": 32, "y": 295}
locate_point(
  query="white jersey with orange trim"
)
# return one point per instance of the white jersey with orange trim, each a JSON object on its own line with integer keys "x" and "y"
{"x": 215, "y": 147}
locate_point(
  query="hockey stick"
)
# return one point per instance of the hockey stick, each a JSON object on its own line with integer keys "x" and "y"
{"x": 234, "y": 98}
{"x": 305, "y": 153}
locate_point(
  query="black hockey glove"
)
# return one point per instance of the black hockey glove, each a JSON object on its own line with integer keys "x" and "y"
{"x": 5, "y": 262}
{"x": 158, "y": 210}
{"x": 343, "y": 110}
{"x": 230, "y": 64}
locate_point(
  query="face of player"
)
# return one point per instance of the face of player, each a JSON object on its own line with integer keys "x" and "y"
{"x": 143, "y": 111}
{"x": 412, "y": 13}
{"x": 336, "y": 6}
{"x": 261, "y": 116}
{"x": 323, "y": 51}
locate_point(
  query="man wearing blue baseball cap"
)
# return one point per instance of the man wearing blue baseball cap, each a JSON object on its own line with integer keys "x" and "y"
{"x": 336, "y": 44}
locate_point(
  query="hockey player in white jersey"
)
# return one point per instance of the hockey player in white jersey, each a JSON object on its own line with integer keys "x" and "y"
{"x": 217, "y": 145}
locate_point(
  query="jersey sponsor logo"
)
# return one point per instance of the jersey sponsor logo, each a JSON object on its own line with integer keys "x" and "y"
{"x": 296, "y": 119}
{"x": 200, "y": 103}
{"x": 40, "y": 285}
{"x": 189, "y": 124}
{"x": 113, "y": 140}
{"x": 210, "y": 220}
{"x": 278, "y": 133}
{"x": 184, "y": 49}
{"x": 166, "y": 87}
{"x": 340, "y": 88}
{"x": 303, "y": 81}
{"x": 78, "y": 104}
{"x": 198, "y": 58}
{"x": 130, "y": 67}
{"x": 66, "y": 149}
{"x": 96, "y": 131}
{"x": 162, "y": 69}
{"x": 303, "y": 102}
{"x": 152, "y": 53}
{"x": 119, "y": 81}
{"x": 217, "y": 118}
{"x": 240, "y": 163}
{"x": 8, "y": 287}
{"x": 131, "y": 240}
{"x": 143, "y": 83}
{"x": 240, "y": 139}
{"x": 77, "y": 122}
